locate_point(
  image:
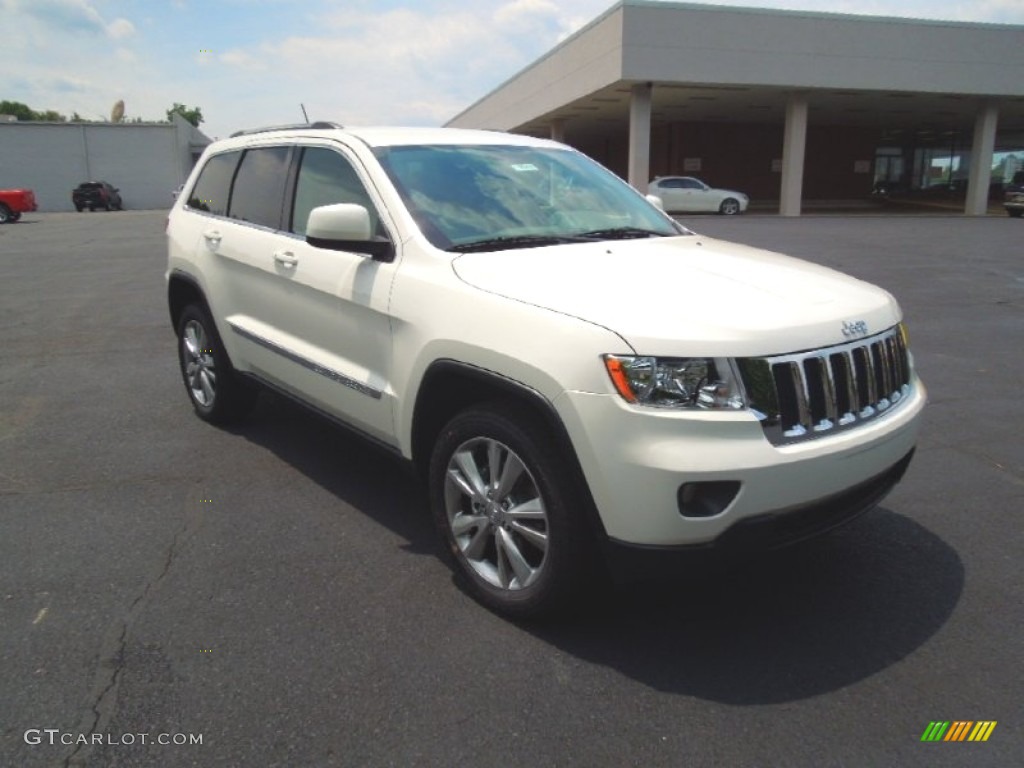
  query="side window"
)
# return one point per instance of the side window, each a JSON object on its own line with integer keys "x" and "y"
{"x": 326, "y": 177}
{"x": 258, "y": 194}
{"x": 213, "y": 186}
{"x": 691, "y": 184}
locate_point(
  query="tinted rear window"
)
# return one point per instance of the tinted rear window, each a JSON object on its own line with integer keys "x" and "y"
{"x": 258, "y": 194}
{"x": 212, "y": 188}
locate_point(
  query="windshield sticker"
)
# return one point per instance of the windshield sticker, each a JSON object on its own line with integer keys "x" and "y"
{"x": 524, "y": 167}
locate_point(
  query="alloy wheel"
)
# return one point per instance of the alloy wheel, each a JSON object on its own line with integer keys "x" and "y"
{"x": 200, "y": 370}
{"x": 496, "y": 513}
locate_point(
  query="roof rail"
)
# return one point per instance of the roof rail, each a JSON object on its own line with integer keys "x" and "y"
{"x": 318, "y": 125}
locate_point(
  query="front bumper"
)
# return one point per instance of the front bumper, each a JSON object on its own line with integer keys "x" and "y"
{"x": 636, "y": 459}
{"x": 758, "y": 533}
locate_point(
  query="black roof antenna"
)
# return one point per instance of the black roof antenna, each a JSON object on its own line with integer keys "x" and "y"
{"x": 304, "y": 115}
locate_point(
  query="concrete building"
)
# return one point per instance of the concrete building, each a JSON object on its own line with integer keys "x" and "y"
{"x": 788, "y": 106}
{"x": 146, "y": 161}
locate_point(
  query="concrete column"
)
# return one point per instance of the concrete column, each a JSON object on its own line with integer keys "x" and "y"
{"x": 558, "y": 129}
{"x": 980, "y": 172}
{"x": 640, "y": 137}
{"x": 794, "y": 145}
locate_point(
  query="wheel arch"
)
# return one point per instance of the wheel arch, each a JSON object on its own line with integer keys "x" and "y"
{"x": 182, "y": 290}
{"x": 451, "y": 386}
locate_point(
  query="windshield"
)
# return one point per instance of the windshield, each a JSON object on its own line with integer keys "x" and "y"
{"x": 506, "y": 196}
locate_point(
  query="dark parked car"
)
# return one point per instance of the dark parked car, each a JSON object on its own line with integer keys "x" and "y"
{"x": 1013, "y": 196}
{"x": 96, "y": 194}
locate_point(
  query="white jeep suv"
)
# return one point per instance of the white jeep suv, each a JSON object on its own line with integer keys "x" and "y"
{"x": 574, "y": 374}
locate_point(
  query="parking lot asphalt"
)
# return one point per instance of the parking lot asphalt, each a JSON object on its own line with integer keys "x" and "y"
{"x": 276, "y": 590}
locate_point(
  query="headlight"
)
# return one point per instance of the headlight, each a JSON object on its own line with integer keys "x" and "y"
{"x": 690, "y": 382}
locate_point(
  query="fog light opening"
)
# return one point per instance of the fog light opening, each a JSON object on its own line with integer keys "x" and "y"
{"x": 706, "y": 499}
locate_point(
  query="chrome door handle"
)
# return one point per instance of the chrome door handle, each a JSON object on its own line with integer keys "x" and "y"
{"x": 286, "y": 259}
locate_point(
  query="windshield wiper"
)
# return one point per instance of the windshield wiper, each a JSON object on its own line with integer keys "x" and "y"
{"x": 516, "y": 241}
{"x": 622, "y": 233}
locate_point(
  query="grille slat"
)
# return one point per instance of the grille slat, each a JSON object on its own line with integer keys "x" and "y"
{"x": 823, "y": 391}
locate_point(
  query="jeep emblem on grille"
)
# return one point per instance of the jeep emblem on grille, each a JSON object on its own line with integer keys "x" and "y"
{"x": 855, "y": 329}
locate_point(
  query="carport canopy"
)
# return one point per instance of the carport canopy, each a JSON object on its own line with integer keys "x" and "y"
{"x": 643, "y": 79}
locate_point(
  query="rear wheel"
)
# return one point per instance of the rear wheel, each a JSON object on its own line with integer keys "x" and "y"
{"x": 218, "y": 395}
{"x": 505, "y": 502}
{"x": 5, "y": 214}
{"x": 1015, "y": 212}
{"x": 729, "y": 207}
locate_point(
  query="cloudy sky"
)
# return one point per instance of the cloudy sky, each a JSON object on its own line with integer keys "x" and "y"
{"x": 252, "y": 62}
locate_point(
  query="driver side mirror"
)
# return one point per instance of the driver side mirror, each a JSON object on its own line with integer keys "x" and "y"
{"x": 346, "y": 227}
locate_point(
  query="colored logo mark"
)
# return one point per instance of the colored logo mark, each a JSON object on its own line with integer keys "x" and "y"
{"x": 958, "y": 730}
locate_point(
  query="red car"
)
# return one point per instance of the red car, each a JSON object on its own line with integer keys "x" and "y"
{"x": 14, "y": 202}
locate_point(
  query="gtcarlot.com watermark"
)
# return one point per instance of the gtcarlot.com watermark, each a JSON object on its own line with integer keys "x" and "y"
{"x": 54, "y": 736}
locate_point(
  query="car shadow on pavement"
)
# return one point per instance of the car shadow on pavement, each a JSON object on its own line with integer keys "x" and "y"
{"x": 769, "y": 628}
{"x": 782, "y": 626}
{"x": 366, "y": 476}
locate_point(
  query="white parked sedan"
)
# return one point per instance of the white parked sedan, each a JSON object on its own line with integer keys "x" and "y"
{"x": 685, "y": 193}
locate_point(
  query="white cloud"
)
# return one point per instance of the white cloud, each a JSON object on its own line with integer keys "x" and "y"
{"x": 525, "y": 11}
{"x": 120, "y": 28}
{"x": 407, "y": 65}
{"x": 238, "y": 59}
{"x": 1002, "y": 11}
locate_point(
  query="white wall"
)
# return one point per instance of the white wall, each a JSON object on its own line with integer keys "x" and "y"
{"x": 145, "y": 161}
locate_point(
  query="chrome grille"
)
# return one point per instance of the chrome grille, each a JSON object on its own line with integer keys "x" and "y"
{"x": 819, "y": 392}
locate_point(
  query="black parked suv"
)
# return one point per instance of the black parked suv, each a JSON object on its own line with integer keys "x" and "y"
{"x": 1013, "y": 195}
{"x": 96, "y": 194}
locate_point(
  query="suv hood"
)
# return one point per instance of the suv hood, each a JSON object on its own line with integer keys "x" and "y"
{"x": 687, "y": 295}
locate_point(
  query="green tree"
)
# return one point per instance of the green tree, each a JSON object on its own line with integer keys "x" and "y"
{"x": 16, "y": 108}
{"x": 25, "y": 113}
{"x": 193, "y": 115}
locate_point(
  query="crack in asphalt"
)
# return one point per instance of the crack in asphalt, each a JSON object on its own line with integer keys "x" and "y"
{"x": 103, "y": 706}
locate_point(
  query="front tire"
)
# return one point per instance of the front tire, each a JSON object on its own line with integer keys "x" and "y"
{"x": 217, "y": 394}
{"x": 505, "y": 502}
{"x": 1015, "y": 212}
{"x": 5, "y": 214}
{"x": 729, "y": 207}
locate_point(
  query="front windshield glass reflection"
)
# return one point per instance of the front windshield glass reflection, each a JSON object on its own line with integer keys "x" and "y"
{"x": 466, "y": 195}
